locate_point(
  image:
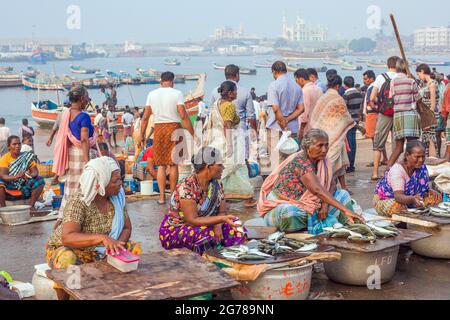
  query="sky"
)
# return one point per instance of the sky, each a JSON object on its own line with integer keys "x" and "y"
{"x": 151, "y": 21}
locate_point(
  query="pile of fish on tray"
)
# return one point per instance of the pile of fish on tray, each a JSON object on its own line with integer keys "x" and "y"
{"x": 275, "y": 244}
{"x": 362, "y": 233}
{"x": 441, "y": 211}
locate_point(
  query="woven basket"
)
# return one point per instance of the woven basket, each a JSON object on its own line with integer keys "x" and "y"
{"x": 45, "y": 170}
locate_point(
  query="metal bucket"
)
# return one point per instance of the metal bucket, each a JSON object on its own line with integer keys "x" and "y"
{"x": 15, "y": 214}
{"x": 437, "y": 246}
{"x": 355, "y": 268}
{"x": 278, "y": 284}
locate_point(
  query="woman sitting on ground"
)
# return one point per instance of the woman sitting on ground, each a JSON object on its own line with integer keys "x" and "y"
{"x": 302, "y": 193}
{"x": 95, "y": 220}
{"x": 197, "y": 217}
{"x": 19, "y": 176}
{"x": 406, "y": 184}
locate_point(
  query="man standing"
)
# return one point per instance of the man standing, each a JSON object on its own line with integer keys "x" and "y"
{"x": 244, "y": 105}
{"x": 97, "y": 120}
{"x": 380, "y": 99}
{"x": 111, "y": 120}
{"x": 311, "y": 94}
{"x": 285, "y": 104}
{"x": 314, "y": 78}
{"x": 371, "y": 113}
{"x": 167, "y": 106}
{"x": 4, "y": 135}
{"x": 354, "y": 101}
{"x": 127, "y": 122}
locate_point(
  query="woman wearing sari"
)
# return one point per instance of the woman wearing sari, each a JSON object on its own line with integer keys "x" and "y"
{"x": 95, "y": 220}
{"x": 300, "y": 194}
{"x": 76, "y": 136}
{"x": 197, "y": 217}
{"x": 331, "y": 115}
{"x": 27, "y": 132}
{"x": 223, "y": 134}
{"x": 406, "y": 184}
{"x": 19, "y": 176}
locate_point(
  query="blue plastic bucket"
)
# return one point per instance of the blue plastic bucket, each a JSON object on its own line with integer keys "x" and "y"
{"x": 56, "y": 203}
{"x": 254, "y": 170}
{"x": 155, "y": 186}
{"x": 61, "y": 188}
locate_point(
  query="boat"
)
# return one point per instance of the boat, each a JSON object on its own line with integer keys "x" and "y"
{"x": 377, "y": 64}
{"x": 6, "y": 69}
{"x": 242, "y": 70}
{"x": 434, "y": 63}
{"x": 192, "y": 77}
{"x": 297, "y": 55}
{"x": 333, "y": 62}
{"x": 294, "y": 67}
{"x": 81, "y": 70}
{"x": 42, "y": 83}
{"x": 171, "y": 62}
{"x": 262, "y": 65}
{"x": 46, "y": 112}
{"x": 38, "y": 57}
{"x": 132, "y": 50}
{"x": 151, "y": 73}
{"x": 362, "y": 60}
{"x": 247, "y": 71}
{"x": 351, "y": 67}
{"x": 9, "y": 80}
{"x": 218, "y": 67}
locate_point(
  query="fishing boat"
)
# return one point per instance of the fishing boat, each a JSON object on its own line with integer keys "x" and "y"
{"x": 46, "y": 112}
{"x": 362, "y": 60}
{"x": 350, "y": 67}
{"x": 297, "y": 55}
{"x": 151, "y": 73}
{"x": 377, "y": 64}
{"x": 9, "y": 80}
{"x": 218, "y": 67}
{"x": 42, "y": 83}
{"x": 81, "y": 70}
{"x": 434, "y": 63}
{"x": 192, "y": 77}
{"x": 247, "y": 71}
{"x": 6, "y": 69}
{"x": 262, "y": 65}
{"x": 333, "y": 62}
{"x": 171, "y": 62}
{"x": 294, "y": 67}
{"x": 38, "y": 57}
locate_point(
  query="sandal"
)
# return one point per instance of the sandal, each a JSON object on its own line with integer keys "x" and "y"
{"x": 161, "y": 203}
{"x": 375, "y": 178}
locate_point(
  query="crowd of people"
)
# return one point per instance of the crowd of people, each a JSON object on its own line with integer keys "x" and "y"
{"x": 306, "y": 189}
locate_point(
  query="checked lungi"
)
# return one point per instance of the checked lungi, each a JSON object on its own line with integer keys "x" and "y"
{"x": 164, "y": 143}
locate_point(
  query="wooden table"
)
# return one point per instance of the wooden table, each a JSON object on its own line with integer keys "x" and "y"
{"x": 174, "y": 274}
{"x": 406, "y": 236}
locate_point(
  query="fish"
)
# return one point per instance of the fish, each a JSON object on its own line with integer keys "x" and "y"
{"x": 308, "y": 247}
{"x": 276, "y": 236}
{"x": 381, "y": 231}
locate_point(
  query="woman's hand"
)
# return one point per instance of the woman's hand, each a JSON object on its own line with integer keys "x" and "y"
{"x": 323, "y": 213}
{"x": 49, "y": 143}
{"x": 218, "y": 232}
{"x": 20, "y": 176}
{"x": 229, "y": 220}
{"x": 112, "y": 246}
{"x": 352, "y": 216}
{"x": 417, "y": 201}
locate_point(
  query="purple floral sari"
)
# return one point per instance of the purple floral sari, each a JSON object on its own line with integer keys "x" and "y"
{"x": 418, "y": 184}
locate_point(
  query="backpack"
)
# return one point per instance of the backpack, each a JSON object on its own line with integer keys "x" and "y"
{"x": 385, "y": 103}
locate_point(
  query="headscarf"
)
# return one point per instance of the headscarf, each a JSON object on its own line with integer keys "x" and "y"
{"x": 96, "y": 176}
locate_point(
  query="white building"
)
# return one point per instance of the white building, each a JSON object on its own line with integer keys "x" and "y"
{"x": 228, "y": 33}
{"x": 300, "y": 31}
{"x": 432, "y": 37}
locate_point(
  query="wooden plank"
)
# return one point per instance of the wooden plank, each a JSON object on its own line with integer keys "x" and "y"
{"x": 174, "y": 274}
{"x": 433, "y": 219}
{"x": 405, "y": 236}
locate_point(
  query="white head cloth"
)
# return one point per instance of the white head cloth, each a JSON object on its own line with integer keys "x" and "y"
{"x": 96, "y": 176}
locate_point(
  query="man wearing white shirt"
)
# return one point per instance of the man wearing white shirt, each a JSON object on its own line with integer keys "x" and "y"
{"x": 4, "y": 134}
{"x": 167, "y": 106}
{"x": 127, "y": 122}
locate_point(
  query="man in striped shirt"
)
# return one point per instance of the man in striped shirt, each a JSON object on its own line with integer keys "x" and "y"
{"x": 405, "y": 93}
{"x": 354, "y": 101}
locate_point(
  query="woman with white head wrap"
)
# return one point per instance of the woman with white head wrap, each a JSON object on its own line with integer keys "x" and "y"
{"x": 95, "y": 220}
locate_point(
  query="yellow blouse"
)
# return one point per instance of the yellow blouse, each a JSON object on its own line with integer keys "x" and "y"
{"x": 228, "y": 113}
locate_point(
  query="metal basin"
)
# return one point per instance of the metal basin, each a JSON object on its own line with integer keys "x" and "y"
{"x": 15, "y": 214}
{"x": 437, "y": 246}
{"x": 355, "y": 268}
{"x": 278, "y": 284}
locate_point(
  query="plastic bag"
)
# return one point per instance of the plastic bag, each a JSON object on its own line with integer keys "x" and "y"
{"x": 48, "y": 197}
{"x": 287, "y": 145}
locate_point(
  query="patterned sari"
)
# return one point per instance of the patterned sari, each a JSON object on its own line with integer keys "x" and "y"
{"x": 418, "y": 184}
{"x": 175, "y": 233}
{"x": 23, "y": 186}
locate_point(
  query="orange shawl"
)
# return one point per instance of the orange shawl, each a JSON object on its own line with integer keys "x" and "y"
{"x": 308, "y": 202}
